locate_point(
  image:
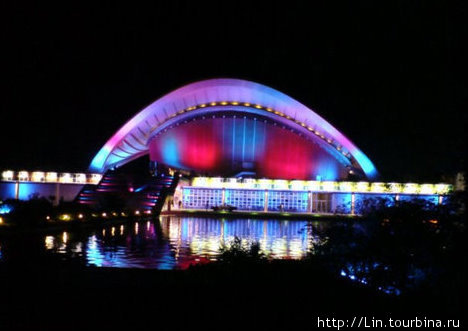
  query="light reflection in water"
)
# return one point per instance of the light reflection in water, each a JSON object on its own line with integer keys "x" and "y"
{"x": 279, "y": 239}
{"x": 49, "y": 242}
{"x": 177, "y": 242}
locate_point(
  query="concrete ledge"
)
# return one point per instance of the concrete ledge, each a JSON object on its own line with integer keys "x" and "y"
{"x": 255, "y": 214}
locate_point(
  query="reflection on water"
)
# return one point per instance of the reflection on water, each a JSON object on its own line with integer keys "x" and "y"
{"x": 177, "y": 242}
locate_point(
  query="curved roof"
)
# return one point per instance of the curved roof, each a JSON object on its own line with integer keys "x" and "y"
{"x": 131, "y": 140}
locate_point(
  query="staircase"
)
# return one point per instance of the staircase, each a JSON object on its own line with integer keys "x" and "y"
{"x": 111, "y": 182}
{"x": 148, "y": 195}
{"x": 152, "y": 195}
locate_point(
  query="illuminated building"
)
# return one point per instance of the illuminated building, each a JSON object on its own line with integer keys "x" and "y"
{"x": 269, "y": 151}
{"x": 302, "y": 196}
{"x": 229, "y": 126}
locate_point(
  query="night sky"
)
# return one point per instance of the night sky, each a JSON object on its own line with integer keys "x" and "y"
{"x": 389, "y": 77}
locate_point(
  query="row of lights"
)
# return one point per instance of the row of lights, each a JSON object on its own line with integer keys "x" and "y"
{"x": 69, "y": 217}
{"x": 51, "y": 177}
{"x": 322, "y": 186}
{"x": 268, "y": 109}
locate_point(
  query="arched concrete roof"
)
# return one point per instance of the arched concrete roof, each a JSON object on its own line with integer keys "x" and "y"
{"x": 131, "y": 140}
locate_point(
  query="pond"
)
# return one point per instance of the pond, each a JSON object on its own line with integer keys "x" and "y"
{"x": 171, "y": 242}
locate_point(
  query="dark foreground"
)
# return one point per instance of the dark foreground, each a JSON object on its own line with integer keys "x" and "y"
{"x": 59, "y": 296}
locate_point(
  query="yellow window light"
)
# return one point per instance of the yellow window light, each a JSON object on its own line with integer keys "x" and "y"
{"x": 79, "y": 178}
{"x": 51, "y": 177}
{"x": 95, "y": 178}
{"x": 313, "y": 185}
{"x": 200, "y": 181}
{"x": 23, "y": 175}
{"x": 8, "y": 175}
{"x": 215, "y": 182}
{"x": 38, "y": 176}
{"x": 232, "y": 183}
{"x": 395, "y": 187}
{"x": 298, "y": 185}
{"x": 427, "y": 189}
{"x": 442, "y": 188}
{"x": 329, "y": 186}
{"x": 65, "y": 178}
{"x": 249, "y": 183}
{"x": 347, "y": 186}
{"x": 362, "y": 187}
{"x": 264, "y": 183}
{"x": 410, "y": 188}
{"x": 280, "y": 184}
{"x": 378, "y": 187}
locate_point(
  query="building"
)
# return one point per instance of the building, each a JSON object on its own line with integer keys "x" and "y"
{"x": 255, "y": 148}
{"x": 227, "y": 127}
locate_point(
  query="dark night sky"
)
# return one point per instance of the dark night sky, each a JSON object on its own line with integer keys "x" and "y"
{"x": 388, "y": 77}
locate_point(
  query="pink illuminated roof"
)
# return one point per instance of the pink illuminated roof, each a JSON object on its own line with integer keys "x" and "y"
{"x": 131, "y": 140}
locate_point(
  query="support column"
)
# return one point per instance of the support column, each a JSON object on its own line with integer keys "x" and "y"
{"x": 265, "y": 201}
{"x": 313, "y": 199}
{"x": 353, "y": 203}
{"x": 440, "y": 199}
{"x": 17, "y": 184}
{"x": 332, "y": 207}
{"x": 57, "y": 194}
{"x": 309, "y": 202}
{"x": 223, "y": 196}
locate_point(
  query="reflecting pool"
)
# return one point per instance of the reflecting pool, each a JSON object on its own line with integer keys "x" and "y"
{"x": 178, "y": 242}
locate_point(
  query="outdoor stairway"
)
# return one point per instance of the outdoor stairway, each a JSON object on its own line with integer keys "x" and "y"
{"x": 149, "y": 196}
{"x": 110, "y": 183}
{"x": 152, "y": 195}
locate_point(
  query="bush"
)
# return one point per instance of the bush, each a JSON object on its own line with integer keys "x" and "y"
{"x": 237, "y": 252}
{"x": 30, "y": 213}
{"x": 409, "y": 246}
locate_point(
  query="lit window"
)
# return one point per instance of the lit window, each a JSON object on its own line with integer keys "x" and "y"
{"x": 8, "y": 175}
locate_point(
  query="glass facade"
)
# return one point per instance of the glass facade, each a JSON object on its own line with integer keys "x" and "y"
{"x": 287, "y": 201}
{"x": 246, "y": 199}
{"x": 196, "y": 198}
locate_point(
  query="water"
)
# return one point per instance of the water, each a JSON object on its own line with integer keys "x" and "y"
{"x": 178, "y": 242}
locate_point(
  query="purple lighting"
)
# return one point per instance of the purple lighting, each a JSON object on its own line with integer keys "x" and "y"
{"x": 211, "y": 97}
